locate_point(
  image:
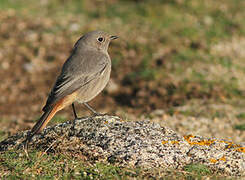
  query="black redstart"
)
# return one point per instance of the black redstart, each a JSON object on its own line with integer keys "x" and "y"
{"x": 84, "y": 75}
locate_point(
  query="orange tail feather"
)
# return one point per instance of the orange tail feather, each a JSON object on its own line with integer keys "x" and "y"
{"x": 44, "y": 119}
{"x": 48, "y": 115}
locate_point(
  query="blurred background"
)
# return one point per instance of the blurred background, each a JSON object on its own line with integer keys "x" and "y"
{"x": 177, "y": 62}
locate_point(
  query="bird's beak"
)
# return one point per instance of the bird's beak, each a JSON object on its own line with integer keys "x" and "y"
{"x": 113, "y": 37}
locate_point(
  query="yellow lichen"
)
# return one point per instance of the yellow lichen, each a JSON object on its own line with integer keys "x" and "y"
{"x": 206, "y": 142}
{"x": 241, "y": 149}
{"x": 212, "y": 160}
{"x": 231, "y": 145}
{"x": 187, "y": 137}
{"x": 222, "y": 159}
{"x": 209, "y": 142}
{"x": 174, "y": 142}
{"x": 201, "y": 143}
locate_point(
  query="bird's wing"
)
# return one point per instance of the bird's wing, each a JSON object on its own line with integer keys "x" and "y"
{"x": 77, "y": 71}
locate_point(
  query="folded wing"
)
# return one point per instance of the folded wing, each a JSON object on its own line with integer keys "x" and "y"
{"x": 76, "y": 73}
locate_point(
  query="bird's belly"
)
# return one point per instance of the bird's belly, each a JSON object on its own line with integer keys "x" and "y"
{"x": 94, "y": 87}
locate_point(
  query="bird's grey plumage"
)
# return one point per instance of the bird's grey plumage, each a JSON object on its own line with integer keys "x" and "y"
{"x": 83, "y": 76}
{"x": 86, "y": 63}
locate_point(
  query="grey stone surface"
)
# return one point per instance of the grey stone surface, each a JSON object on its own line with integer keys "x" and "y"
{"x": 135, "y": 144}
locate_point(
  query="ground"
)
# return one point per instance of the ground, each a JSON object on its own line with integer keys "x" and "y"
{"x": 180, "y": 61}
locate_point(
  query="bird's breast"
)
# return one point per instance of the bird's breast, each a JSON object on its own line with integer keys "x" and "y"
{"x": 95, "y": 86}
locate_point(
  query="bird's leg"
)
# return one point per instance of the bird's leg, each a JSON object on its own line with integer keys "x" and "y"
{"x": 91, "y": 109}
{"x": 74, "y": 111}
{"x": 75, "y": 115}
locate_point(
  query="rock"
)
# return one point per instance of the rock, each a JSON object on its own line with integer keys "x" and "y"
{"x": 135, "y": 144}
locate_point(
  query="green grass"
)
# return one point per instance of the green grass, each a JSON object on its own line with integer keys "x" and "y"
{"x": 58, "y": 119}
{"x": 44, "y": 166}
{"x": 197, "y": 168}
{"x": 240, "y": 127}
{"x": 241, "y": 116}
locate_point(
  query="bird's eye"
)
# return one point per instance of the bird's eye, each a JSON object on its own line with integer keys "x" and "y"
{"x": 100, "y": 39}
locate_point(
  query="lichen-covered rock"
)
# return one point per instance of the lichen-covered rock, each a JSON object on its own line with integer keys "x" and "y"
{"x": 140, "y": 144}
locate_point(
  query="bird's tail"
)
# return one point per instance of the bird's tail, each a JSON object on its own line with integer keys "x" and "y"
{"x": 43, "y": 121}
{"x": 41, "y": 124}
{"x": 47, "y": 116}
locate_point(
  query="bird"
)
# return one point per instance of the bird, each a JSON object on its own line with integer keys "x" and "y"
{"x": 83, "y": 76}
